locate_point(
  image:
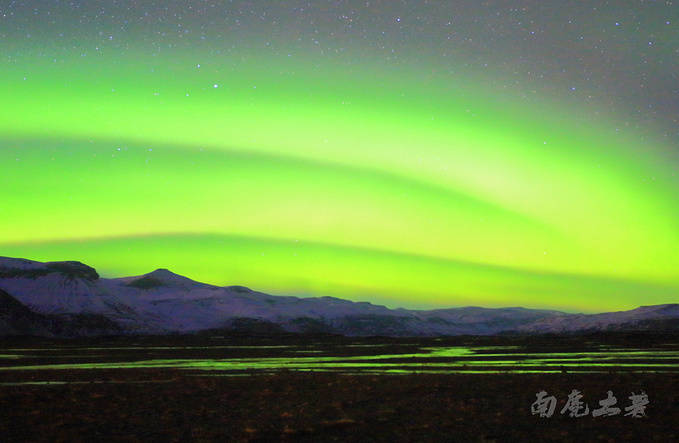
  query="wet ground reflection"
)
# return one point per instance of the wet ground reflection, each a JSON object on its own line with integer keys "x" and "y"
{"x": 349, "y": 358}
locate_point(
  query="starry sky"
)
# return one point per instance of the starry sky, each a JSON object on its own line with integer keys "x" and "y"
{"x": 409, "y": 153}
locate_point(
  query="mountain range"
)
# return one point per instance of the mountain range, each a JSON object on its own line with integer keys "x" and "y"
{"x": 70, "y": 299}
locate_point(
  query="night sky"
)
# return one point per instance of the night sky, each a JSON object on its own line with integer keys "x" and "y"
{"x": 409, "y": 153}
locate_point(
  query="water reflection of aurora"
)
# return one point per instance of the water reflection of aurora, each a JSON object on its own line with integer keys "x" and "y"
{"x": 426, "y": 360}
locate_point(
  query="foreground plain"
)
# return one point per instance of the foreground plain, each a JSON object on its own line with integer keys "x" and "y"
{"x": 43, "y": 402}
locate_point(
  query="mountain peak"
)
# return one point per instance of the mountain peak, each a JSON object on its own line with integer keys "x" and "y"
{"x": 163, "y": 273}
{"x": 168, "y": 277}
{"x": 162, "y": 277}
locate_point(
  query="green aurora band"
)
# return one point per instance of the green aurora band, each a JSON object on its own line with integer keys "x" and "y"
{"x": 399, "y": 187}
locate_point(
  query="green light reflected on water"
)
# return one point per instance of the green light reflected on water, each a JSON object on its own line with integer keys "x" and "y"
{"x": 71, "y": 382}
{"x": 460, "y": 359}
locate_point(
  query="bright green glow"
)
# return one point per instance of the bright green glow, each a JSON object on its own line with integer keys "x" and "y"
{"x": 362, "y": 185}
{"x": 407, "y": 279}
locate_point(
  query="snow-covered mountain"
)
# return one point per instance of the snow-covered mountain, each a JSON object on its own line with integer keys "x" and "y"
{"x": 643, "y": 317}
{"x": 161, "y": 301}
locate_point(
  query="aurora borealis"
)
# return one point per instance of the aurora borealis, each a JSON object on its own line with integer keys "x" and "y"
{"x": 350, "y": 149}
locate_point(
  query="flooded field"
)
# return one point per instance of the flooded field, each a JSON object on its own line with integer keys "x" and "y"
{"x": 338, "y": 356}
{"x": 327, "y": 388}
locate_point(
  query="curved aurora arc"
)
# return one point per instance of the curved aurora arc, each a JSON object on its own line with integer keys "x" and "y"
{"x": 293, "y": 179}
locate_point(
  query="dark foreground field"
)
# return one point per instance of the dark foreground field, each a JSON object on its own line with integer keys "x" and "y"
{"x": 171, "y": 404}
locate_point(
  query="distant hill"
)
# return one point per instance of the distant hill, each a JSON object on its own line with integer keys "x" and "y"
{"x": 70, "y": 298}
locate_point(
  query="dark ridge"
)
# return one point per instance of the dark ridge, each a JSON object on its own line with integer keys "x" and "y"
{"x": 146, "y": 282}
{"x": 252, "y": 326}
{"x": 17, "y": 319}
{"x": 653, "y": 324}
{"x": 23, "y": 273}
{"x": 77, "y": 325}
{"x": 239, "y": 289}
{"x": 439, "y": 321}
{"x": 71, "y": 269}
{"x": 308, "y": 325}
{"x": 372, "y": 325}
{"x": 10, "y": 305}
